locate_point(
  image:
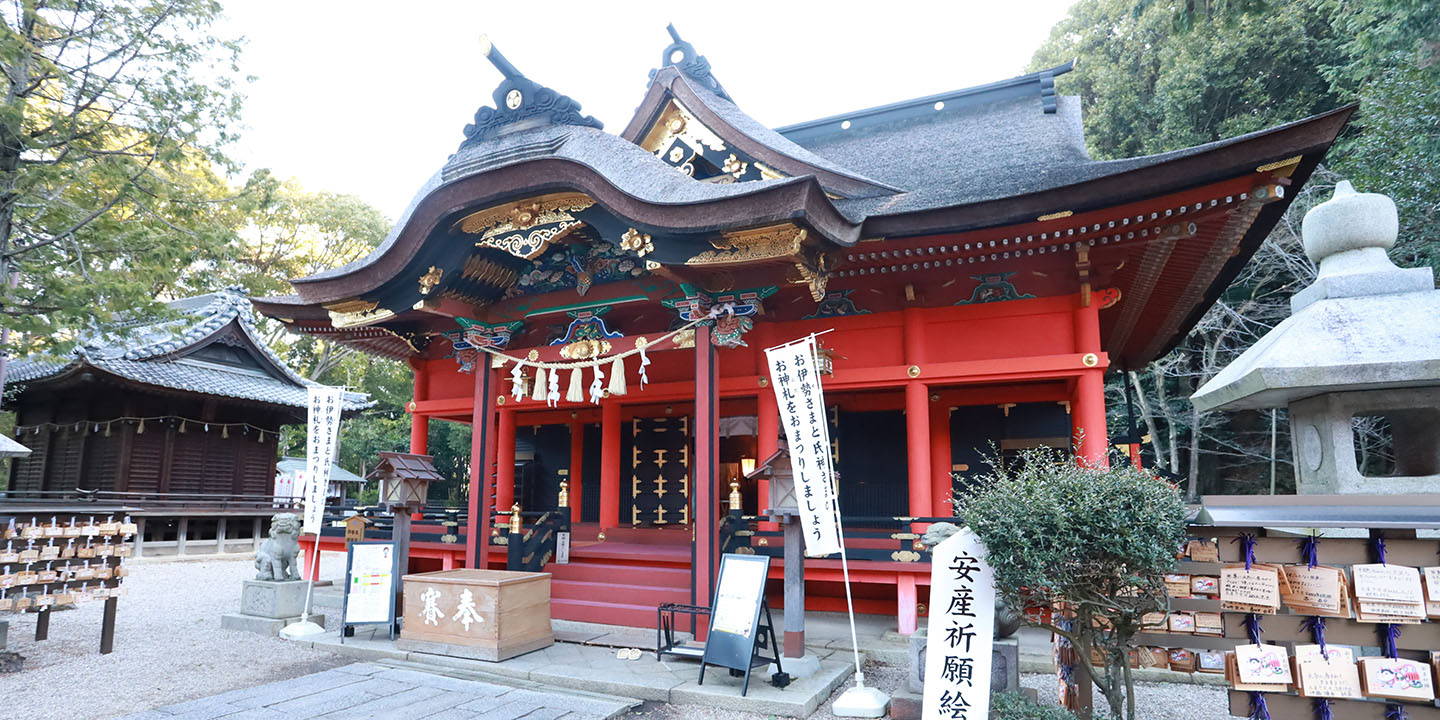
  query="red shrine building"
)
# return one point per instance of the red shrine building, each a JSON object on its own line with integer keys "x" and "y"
{"x": 977, "y": 273}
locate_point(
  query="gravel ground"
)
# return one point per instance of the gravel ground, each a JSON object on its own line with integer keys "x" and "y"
{"x": 168, "y": 645}
{"x": 1153, "y": 701}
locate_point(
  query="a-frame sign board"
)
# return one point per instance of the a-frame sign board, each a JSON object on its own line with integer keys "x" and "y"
{"x": 369, "y": 597}
{"x": 736, "y": 634}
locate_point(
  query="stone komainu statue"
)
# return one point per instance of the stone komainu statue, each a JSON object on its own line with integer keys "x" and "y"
{"x": 275, "y": 560}
{"x": 1006, "y": 620}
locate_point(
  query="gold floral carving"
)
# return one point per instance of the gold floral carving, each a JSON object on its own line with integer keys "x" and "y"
{"x": 905, "y": 556}
{"x": 780, "y": 241}
{"x": 585, "y": 349}
{"x": 637, "y": 242}
{"x": 684, "y": 338}
{"x": 429, "y": 280}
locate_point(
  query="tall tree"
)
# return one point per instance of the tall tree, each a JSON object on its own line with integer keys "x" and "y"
{"x": 113, "y": 116}
{"x": 1158, "y": 75}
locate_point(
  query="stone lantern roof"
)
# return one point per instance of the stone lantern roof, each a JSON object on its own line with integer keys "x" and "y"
{"x": 1364, "y": 324}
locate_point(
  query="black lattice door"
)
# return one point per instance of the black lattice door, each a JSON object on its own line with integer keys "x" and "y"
{"x": 660, "y": 479}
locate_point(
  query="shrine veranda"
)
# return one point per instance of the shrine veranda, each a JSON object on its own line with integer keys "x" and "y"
{"x": 975, "y": 274}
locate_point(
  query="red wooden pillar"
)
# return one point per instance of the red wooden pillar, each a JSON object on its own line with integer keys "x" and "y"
{"x": 917, "y": 440}
{"x": 1087, "y": 409}
{"x": 482, "y": 441}
{"x": 706, "y": 467}
{"x": 610, "y": 464}
{"x": 505, "y": 461}
{"x": 420, "y": 424}
{"x": 941, "y": 489}
{"x": 577, "y": 459}
{"x": 917, "y": 418}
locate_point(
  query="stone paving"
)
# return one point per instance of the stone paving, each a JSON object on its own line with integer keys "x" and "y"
{"x": 393, "y": 691}
{"x": 596, "y": 669}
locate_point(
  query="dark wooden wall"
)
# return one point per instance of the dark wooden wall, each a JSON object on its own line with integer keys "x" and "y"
{"x": 80, "y": 454}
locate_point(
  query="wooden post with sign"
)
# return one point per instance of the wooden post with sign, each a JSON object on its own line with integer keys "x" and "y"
{"x": 355, "y": 526}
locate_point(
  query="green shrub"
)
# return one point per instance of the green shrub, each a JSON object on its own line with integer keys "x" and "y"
{"x": 1097, "y": 540}
{"x": 1016, "y": 706}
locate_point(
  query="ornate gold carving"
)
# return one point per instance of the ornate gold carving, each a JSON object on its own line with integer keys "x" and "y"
{"x": 677, "y": 123}
{"x": 585, "y": 349}
{"x": 504, "y": 227}
{"x": 905, "y": 556}
{"x": 528, "y": 245}
{"x": 430, "y": 279}
{"x": 778, "y": 241}
{"x": 817, "y": 277}
{"x": 637, "y": 242}
{"x": 533, "y": 355}
{"x": 684, "y": 338}
{"x": 641, "y": 342}
{"x": 356, "y": 313}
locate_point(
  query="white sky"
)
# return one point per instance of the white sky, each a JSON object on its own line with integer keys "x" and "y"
{"x": 370, "y": 98}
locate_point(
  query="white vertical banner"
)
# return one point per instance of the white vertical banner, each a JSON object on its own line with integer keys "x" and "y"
{"x": 796, "y": 379}
{"x": 321, "y": 442}
{"x": 961, "y": 633}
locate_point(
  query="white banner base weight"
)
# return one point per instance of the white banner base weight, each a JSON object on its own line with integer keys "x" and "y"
{"x": 302, "y": 629}
{"x": 862, "y": 702}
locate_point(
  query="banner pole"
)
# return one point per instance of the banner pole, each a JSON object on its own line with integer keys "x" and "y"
{"x": 310, "y": 588}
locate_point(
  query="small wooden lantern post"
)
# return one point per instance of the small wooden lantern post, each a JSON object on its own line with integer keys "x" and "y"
{"x": 404, "y": 486}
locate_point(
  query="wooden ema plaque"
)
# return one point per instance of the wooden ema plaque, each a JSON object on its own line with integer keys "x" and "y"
{"x": 1330, "y": 590}
{"x": 482, "y": 614}
{"x": 61, "y": 560}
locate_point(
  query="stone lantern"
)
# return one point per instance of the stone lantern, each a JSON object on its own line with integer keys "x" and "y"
{"x": 1362, "y": 342}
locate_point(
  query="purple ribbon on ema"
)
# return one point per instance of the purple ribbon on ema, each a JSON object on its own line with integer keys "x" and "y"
{"x": 1322, "y": 710}
{"x": 1393, "y": 711}
{"x": 1258, "y": 710}
{"x": 1379, "y": 544}
{"x": 1392, "y": 635}
{"x": 1316, "y": 626}
{"x": 1252, "y": 628}
{"x": 1310, "y": 550}
{"x": 1247, "y": 548}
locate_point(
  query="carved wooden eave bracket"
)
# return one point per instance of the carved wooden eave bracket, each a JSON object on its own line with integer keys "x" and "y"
{"x": 525, "y": 229}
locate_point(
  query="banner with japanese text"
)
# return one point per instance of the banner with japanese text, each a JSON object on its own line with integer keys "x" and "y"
{"x": 796, "y": 379}
{"x": 962, "y": 630}
{"x": 321, "y": 443}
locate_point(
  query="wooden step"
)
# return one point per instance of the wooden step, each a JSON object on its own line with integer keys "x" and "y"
{"x": 666, "y": 577}
{"x": 641, "y": 616}
{"x": 644, "y": 595}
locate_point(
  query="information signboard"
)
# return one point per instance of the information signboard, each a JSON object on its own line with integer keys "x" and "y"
{"x": 735, "y": 629}
{"x": 370, "y": 571}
